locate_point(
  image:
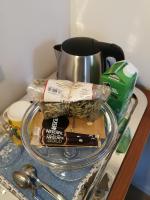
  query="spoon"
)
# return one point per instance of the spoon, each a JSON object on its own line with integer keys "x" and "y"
{"x": 31, "y": 172}
{"x": 23, "y": 181}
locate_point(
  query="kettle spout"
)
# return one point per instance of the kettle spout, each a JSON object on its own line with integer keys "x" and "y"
{"x": 57, "y": 49}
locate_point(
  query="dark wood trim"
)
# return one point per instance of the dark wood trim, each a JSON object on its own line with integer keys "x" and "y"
{"x": 126, "y": 172}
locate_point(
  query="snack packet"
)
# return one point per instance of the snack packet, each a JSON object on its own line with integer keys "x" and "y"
{"x": 63, "y": 97}
{"x": 67, "y": 131}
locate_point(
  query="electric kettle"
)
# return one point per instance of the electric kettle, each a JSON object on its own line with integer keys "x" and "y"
{"x": 84, "y": 59}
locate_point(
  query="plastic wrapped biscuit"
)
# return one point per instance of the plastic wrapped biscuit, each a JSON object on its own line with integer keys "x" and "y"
{"x": 63, "y": 97}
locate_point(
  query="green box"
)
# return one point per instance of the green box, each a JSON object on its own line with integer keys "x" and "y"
{"x": 121, "y": 77}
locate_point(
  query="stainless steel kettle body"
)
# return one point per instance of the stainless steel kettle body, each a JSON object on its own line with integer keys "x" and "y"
{"x": 84, "y": 59}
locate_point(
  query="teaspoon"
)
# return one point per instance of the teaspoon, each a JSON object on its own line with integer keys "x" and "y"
{"x": 24, "y": 182}
{"x": 31, "y": 172}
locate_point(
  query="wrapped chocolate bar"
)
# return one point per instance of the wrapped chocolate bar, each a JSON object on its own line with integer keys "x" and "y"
{"x": 67, "y": 131}
{"x": 63, "y": 97}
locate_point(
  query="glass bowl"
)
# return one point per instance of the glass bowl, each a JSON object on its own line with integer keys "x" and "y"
{"x": 70, "y": 163}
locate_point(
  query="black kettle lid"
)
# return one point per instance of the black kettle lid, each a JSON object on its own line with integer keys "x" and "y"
{"x": 81, "y": 46}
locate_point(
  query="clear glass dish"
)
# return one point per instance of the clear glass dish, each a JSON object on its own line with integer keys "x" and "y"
{"x": 70, "y": 163}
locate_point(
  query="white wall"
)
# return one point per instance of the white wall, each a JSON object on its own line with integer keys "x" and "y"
{"x": 28, "y": 31}
{"x": 124, "y": 22}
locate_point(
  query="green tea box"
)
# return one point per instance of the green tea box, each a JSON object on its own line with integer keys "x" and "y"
{"x": 121, "y": 77}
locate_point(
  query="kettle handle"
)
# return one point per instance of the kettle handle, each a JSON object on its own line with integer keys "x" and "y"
{"x": 111, "y": 50}
{"x": 115, "y": 51}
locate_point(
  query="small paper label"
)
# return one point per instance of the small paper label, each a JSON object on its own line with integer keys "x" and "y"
{"x": 57, "y": 91}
